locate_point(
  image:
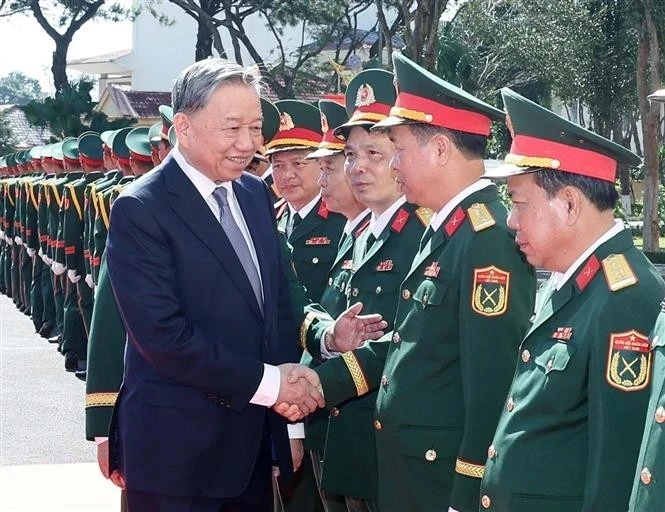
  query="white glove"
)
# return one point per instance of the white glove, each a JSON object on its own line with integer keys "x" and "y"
{"x": 9, "y": 240}
{"x": 31, "y": 252}
{"x": 18, "y": 240}
{"x": 47, "y": 260}
{"x": 58, "y": 268}
{"x": 2, "y": 234}
{"x": 89, "y": 281}
{"x": 73, "y": 276}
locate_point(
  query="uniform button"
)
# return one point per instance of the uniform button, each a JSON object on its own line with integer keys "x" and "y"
{"x": 315, "y": 260}
{"x": 645, "y": 476}
{"x": 377, "y": 425}
{"x": 660, "y": 414}
{"x": 510, "y": 405}
{"x": 491, "y": 452}
{"x": 526, "y": 356}
{"x": 406, "y": 294}
{"x": 485, "y": 501}
{"x": 378, "y": 290}
{"x": 330, "y": 281}
{"x": 355, "y": 292}
{"x": 334, "y": 411}
{"x": 396, "y": 338}
{"x": 430, "y": 455}
{"x": 384, "y": 381}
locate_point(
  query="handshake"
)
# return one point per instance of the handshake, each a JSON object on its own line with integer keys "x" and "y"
{"x": 300, "y": 392}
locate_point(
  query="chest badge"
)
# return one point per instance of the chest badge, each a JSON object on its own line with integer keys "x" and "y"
{"x": 432, "y": 270}
{"x": 628, "y": 361}
{"x": 563, "y": 333}
{"x": 491, "y": 288}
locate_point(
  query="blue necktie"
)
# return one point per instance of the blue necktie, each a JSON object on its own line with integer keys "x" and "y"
{"x": 238, "y": 242}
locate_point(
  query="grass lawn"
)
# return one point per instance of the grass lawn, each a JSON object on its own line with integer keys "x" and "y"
{"x": 638, "y": 242}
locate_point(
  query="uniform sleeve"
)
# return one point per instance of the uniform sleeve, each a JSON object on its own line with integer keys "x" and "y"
{"x": 497, "y": 293}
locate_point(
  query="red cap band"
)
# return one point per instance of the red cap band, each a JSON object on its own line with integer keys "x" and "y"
{"x": 90, "y": 161}
{"x": 71, "y": 161}
{"x": 139, "y": 157}
{"x": 422, "y": 110}
{"x": 295, "y": 137}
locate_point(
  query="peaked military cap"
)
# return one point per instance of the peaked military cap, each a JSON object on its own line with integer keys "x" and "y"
{"x": 138, "y": 144}
{"x": 166, "y": 113}
{"x": 299, "y": 127}
{"x": 172, "y": 136}
{"x": 270, "y": 120}
{"x": 70, "y": 150}
{"x": 369, "y": 97}
{"x": 90, "y": 149}
{"x": 47, "y": 152}
{"x": 544, "y": 140}
{"x": 154, "y": 134}
{"x": 423, "y": 97}
{"x": 23, "y": 157}
{"x": 333, "y": 114}
{"x": 56, "y": 152}
{"x": 10, "y": 160}
{"x": 36, "y": 152}
{"x": 117, "y": 143}
{"x": 106, "y": 137}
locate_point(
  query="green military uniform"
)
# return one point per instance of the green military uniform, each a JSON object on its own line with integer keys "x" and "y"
{"x": 31, "y": 241}
{"x": 3, "y": 179}
{"x": 570, "y": 429}
{"x": 648, "y": 485}
{"x": 443, "y": 371}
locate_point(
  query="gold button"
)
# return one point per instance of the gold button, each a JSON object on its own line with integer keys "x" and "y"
{"x": 406, "y": 294}
{"x": 396, "y": 338}
{"x": 377, "y": 425}
{"x": 485, "y": 501}
{"x": 526, "y": 355}
{"x": 334, "y": 411}
{"x": 315, "y": 260}
{"x": 378, "y": 289}
{"x": 510, "y": 405}
{"x": 384, "y": 381}
{"x": 355, "y": 292}
{"x": 491, "y": 452}
{"x": 660, "y": 414}
{"x": 430, "y": 455}
{"x": 645, "y": 476}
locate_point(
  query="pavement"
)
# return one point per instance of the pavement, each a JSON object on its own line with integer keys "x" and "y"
{"x": 46, "y": 464}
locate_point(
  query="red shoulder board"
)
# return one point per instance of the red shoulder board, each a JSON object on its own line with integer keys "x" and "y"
{"x": 400, "y": 220}
{"x": 361, "y": 228}
{"x": 323, "y": 210}
{"x": 455, "y": 221}
{"x": 589, "y": 270}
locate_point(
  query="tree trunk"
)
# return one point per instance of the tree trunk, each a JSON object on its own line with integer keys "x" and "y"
{"x": 203, "y": 41}
{"x": 59, "y": 64}
{"x": 387, "y": 38}
{"x": 649, "y": 115}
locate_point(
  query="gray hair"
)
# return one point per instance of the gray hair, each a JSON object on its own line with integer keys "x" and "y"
{"x": 196, "y": 83}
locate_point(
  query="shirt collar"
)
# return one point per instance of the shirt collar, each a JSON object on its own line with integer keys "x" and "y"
{"x": 560, "y": 279}
{"x": 352, "y": 224}
{"x": 304, "y": 211}
{"x": 267, "y": 173}
{"x": 448, "y": 208}
{"x": 378, "y": 224}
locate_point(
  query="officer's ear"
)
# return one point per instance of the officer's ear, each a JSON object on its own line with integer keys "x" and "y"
{"x": 443, "y": 146}
{"x": 182, "y": 126}
{"x": 571, "y": 198}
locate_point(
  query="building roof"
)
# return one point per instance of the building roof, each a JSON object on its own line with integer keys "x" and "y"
{"x": 25, "y": 134}
{"x": 127, "y": 103}
{"x": 114, "y": 63}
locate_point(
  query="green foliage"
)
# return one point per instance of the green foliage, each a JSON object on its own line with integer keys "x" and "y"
{"x": 60, "y": 13}
{"x": 6, "y": 138}
{"x": 70, "y": 113}
{"x": 18, "y": 89}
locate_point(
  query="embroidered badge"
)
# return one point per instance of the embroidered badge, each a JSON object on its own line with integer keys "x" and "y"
{"x": 491, "y": 287}
{"x": 285, "y": 122}
{"x": 432, "y": 270}
{"x": 628, "y": 361}
{"x": 400, "y": 220}
{"x": 323, "y": 210}
{"x": 454, "y": 222}
{"x": 563, "y": 333}
{"x": 347, "y": 265}
{"x": 318, "y": 240}
{"x": 365, "y": 96}
{"x": 384, "y": 266}
{"x": 587, "y": 273}
{"x": 324, "y": 123}
{"x": 424, "y": 215}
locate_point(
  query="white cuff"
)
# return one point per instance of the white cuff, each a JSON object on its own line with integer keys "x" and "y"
{"x": 268, "y": 389}
{"x": 296, "y": 430}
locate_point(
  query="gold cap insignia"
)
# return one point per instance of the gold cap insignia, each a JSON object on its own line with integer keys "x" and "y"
{"x": 365, "y": 96}
{"x": 324, "y": 123}
{"x": 285, "y": 122}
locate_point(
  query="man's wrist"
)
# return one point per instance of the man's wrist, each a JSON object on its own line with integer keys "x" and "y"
{"x": 329, "y": 339}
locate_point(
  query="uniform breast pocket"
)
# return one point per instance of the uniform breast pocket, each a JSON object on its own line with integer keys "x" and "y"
{"x": 429, "y": 293}
{"x": 554, "y": 355}
{"x": 341, "y": 280}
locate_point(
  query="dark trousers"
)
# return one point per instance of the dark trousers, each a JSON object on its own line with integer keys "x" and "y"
{"x": 36, "y": 298}
{"x": 74, "y": 338}
{"x": 46, "y": 281}
{"x": 59, "y": 301}
{"x": 26, "y": 276}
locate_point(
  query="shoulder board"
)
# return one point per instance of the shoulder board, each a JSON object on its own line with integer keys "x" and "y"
{"x": 424, "y": 215}
{"x": 323, "y": 211}
{"x": 618, "y": 272}
{"x": 454, "y": 222}
{"x": 359, "y": 230}
{"x": 400, "y": 220}
{"x": 281, "y": 210}
{"x": 480, "y": 217}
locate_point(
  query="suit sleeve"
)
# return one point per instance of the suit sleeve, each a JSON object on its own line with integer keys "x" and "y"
{"x": 144, "y": 283}
{"x": 490, "y": 333}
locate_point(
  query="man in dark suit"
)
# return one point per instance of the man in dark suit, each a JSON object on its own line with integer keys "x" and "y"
{"x": 196, "y": 269}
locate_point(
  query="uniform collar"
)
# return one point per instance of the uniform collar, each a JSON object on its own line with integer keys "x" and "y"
{"x": 352, "y": 224}
{"x": 448, "y": 208}
{"x": 304, "y": 211}
{"x": 378, "y": 224}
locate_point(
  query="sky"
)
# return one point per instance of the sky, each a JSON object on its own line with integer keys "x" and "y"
{"x": 25, "y": 46}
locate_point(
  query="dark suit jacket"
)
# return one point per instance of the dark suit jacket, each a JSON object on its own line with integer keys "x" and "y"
{"x": 183, "y": 424}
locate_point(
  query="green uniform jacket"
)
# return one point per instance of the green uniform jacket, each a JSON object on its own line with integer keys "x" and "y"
{"x": 375, "y": 282}
{"x": 33, "y": 188}
{"x": 649, "y": 484}
{"x": 56, "y": 212}
{"x": 314, "y": 241}
{"x": 444, "y": 371}
{"x": 571, "y": 425}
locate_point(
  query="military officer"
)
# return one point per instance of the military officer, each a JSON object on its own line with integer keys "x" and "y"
{"x": 648, "y": 485}
{"x": 261, "y": 163}
{"x": 443, "y": 372}
{"x": 155, "y": 138}
{"x": 570, "y": 429}
{"x": 164, "y": 148}
{"x": 312, "y": 230}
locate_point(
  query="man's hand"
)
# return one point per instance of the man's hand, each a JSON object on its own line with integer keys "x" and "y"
{"x": 89, "y": 281}
{"x": 58, "y": 268}
{"x": 103, "y": 458}
{"x": 351, "y": 329}
{"x": 73, "y": 276}
{"x": 18, "y": 240}
{"x": 299, "y": 392}
{"x": 31, "y": 252}
{"x": 297, "y": 453}
{"x": 117, "y": 478}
